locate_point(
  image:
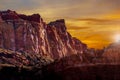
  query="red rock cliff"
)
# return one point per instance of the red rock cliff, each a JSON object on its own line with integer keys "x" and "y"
{"x": 30, "y": 34}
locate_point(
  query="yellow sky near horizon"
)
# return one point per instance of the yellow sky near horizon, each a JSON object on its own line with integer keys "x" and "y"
{"x": 95, "y": 32}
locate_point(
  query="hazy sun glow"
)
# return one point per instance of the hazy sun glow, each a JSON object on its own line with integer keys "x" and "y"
{"x": 117, "y": 38}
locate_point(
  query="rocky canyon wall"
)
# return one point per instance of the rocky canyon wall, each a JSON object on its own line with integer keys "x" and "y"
{"x": 30, "y": 34}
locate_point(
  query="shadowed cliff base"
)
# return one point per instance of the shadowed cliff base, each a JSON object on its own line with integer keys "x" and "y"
{"x": 85, "y": 72}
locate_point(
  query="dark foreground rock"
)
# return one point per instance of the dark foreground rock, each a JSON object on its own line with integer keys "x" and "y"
{"x": 21, "y": 58}
{"x": 86, "y": 72}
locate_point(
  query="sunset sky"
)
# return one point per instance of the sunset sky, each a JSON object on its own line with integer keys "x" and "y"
{"x": 94, "y": 22}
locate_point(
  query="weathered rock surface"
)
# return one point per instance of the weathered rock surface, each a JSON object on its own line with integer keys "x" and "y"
{"x": 112, "y": 53}
{"x": 61, "y": 42}
{"x": 20, "y": 59}
{"x": 29, "y": 34}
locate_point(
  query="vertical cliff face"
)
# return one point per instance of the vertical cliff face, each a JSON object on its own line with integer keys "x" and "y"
{"x": 30, "y": 34}
{"x": 61, "y": 42}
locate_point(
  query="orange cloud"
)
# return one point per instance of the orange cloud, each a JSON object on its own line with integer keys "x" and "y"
{"x": 113, "y": 15}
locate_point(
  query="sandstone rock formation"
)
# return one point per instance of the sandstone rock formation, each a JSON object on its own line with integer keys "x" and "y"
{"x": 112, "y": 53}
{"x": 31, "y": 35}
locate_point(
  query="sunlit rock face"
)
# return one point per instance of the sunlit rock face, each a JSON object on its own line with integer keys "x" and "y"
{"x": 61, "y": 42}
{"x": 30, "y": 34}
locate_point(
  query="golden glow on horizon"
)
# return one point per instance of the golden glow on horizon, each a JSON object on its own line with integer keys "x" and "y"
{"x": 96, "y": 33}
